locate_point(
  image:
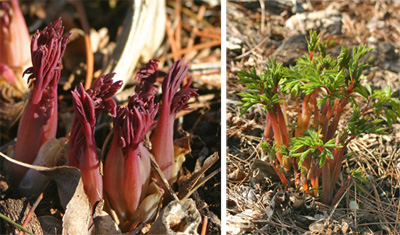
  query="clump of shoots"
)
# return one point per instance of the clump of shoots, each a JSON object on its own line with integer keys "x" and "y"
{"x": 173, "y": 100}
{"x": 327, "y": 86}
{"x": 82, "y": 148}
{"x": 127, "y": 166}
{"x": 39, "y": 120}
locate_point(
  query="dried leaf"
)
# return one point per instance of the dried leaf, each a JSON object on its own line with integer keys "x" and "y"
{"x": 103, "y": 222}
{"x": 178, "y": 217}
{"x": 51, "y": 153}
{"x": 72, "y": 195}
{"x": 187, "y": 187}
{"x": 149, "y": 207}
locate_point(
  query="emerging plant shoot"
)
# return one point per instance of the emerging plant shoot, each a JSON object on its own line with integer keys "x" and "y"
{"x": 327, "y": 86}
{"x": 39, "y": 120}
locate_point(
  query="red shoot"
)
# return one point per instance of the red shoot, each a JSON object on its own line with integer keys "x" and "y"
{"x": 173, "y": 100}
{"x": 39, "y": 120}
{"x": 82, "y": 149}
{"x": 127, "y": 166}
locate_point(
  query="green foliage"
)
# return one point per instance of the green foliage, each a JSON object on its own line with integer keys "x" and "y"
{"x": 311, "y": 143}
{"x": 269, "y": 150}
{"x": 386, "y": 104}
{"x": 359, "y": 125}
{"x": 314, "y": 41}
{"x": 263, "y": 88}
{"x": 329, "y": 84}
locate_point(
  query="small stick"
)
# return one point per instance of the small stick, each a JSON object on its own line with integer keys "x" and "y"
{"x": 29, "y": 215}
{"x": 178, "y": 23}
{"x": 205, "y": 34}
{"x": 262, "y": 4}
{"x": 88, "y": 46}
{"x": 194, "y": 48}
{"x": 15, "y": 224}
{"x": 171, "y": 39}
{"x": 204, "y": 227}
{"x": 161, "y": 176}
{"x": 195, "y": 29}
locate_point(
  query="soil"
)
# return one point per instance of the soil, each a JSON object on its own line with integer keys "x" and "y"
{"x": 257, "y": 202}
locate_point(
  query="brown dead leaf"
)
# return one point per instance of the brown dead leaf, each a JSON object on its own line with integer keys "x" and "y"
{"x": 72, "y": 195}
{"x": 188, "y": 186}
{"x": 237, "y": 175}
{"x": 103, "y": 222}
{"x": 178, "y": 217}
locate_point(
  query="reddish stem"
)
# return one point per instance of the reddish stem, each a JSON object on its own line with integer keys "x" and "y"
{"x": 341, "y": 191}
{"x": 280, "y": 174}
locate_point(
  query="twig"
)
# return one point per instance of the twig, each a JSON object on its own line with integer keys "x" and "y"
{"x": 205, "y": 34}
{"x": 200, "y": 183}
{"x": 194, "y": 48}
{"x": 204, "y": 227}
{"x": 336, "y": 205}
{"x": 252, "y": 49}
{"x": 15, "y": 224}
{"x": 262, "y": 4}
{"x": 178, "y": 24}
{"x": 88, "y": 45}
{"x": 195, "y": 29}
{"x": 161, "y": 177}
{"x": 29, "y": 215}
{"x": 397, "y": 216}
{"x": 171, "y": 40}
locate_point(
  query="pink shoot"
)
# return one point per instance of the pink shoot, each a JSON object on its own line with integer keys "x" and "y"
{"x": 14, "y": 36}
{"x": 147, "y": 76}
{"x": 82, "y": 149}
{"x": 173, "y": 100}
{"x": 127, "y": 166}
{"x": 39, "y": 120}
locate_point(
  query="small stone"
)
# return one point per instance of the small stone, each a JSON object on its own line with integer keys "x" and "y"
{"x": 353, "y": 205}
{"x": 317, "y": 225}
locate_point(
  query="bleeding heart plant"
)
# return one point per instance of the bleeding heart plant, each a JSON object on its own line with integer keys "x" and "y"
{"x": 316, "y": 144}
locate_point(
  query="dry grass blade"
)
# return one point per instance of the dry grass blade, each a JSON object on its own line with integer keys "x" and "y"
{"x": 160, "y": 176}
{"x": 187, "y": 187}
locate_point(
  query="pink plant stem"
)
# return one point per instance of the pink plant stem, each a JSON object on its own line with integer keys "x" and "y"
{"x": 132, "y": 186}
{"x": 165, "y": 126}
{"x": 113, "y": 178}
{"x": 277, "y": 135}
{"x": 280, "y": 174}
{"x": 326, "y": 182}
{"x": 333, "y": 127}
{"x": 90, "y": 169}
{"x": 31, "y": 134}
{"x": 338, "y": 157}
{"x": 50, "y": 130}
{"x": 341, "y": 191}
{"x": 282, "y": 125}
{"x": 268, "y": 132}
{"x": 314, "y": 179}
